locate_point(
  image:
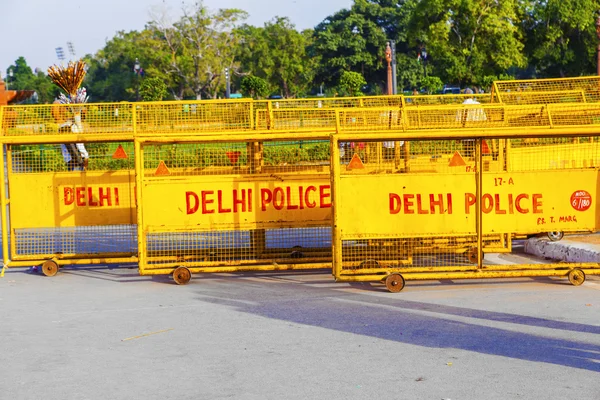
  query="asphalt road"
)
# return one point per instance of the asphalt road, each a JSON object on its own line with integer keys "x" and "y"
{"x": 112, "y": 334}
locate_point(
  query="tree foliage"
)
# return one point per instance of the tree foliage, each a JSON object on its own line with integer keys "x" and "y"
{"x": 254, "y": 86}
{"x": 468, "y": 42}
{"x": 23, "y": 78}
{"x": 351, "y": 83}
{"x": 468, "y": 39}
{"x": 354, "y": 39}
{"x": 431, "y": 84}
{"x": 201, "y": 44}
{"x": 561, "y": 36}
{"x": 153, "y": 89}
{"x": 278, "y": 54}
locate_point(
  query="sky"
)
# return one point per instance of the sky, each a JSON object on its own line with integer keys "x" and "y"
{"x": 35, "y": 28}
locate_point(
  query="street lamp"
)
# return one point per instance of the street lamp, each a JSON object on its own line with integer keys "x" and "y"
{"x": 137, "y": 68}
{"x": 227, "y": 83}
{"x": 424, "y": 56}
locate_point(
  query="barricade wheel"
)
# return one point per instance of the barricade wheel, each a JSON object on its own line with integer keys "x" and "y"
{"x": 472, "y": 255}
{"x": 50, "y": 268}
{"x": 576, "y": 276}
{"x": 394, "y": 283}
{"x": 182, "y": 275}
{"x": 555, "y": 236}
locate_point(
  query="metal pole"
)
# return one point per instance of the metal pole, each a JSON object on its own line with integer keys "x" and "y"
{"x": 394, "y": 77}
{"x": 227, "y": 84}
{"x": 388, "y": 58}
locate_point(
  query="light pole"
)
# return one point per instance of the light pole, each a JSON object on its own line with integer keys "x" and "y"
{"x": 394, "y": 78}
{"x": 227, "y": 83}
{"x": 137, "y": 68}
{"x": 388, "y": 58}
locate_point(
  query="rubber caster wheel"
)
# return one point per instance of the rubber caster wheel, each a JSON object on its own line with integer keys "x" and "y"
{"x": 50, "y": 268}
{"x": 576, "y": 277}
{"x": 472, "y": 255}
{"x": 394, "y": 283}
{"x": 182, "y": 275}
{"x": 555, "y": 236}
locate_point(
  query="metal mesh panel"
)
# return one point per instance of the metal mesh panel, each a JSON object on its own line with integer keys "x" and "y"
{"x": 75, "y": 241}
{"x": 533, "y": 154}
{"x": 234, "y": 158}
{"x": 328, "y": 102}
{"x": 193, "y": 117}
{"x": 445, "y": 99}
{"x": 303, "y": 119}
{"x": 473, "y": 116}
{"x": 239, "y": 247}
{"x": 103, "y": 156}
{"x": 92, "y": 119}
{"x": 548, "y": 90}
{"x": 236, "y": 204}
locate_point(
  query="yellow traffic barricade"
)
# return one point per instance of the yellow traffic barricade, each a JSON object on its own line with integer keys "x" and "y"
{"x": 69, "y": 175}
{"x": 443, "y": 197}
{"x": 545, "y": 91}
{"x": 230, "y": 203}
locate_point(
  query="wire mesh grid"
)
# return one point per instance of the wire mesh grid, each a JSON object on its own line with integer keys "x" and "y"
{"x": 76, "y": 241}
{"x": 470, "y": 115}
{"x": 304, "y": 119}
{"x": 548, "y": 90}
{"x": 101, "y": 156}
{"x": 430, "y": 252}
{"x": 330, "y": 102}
{"x": 224, "y": 158}
{"x": 193, "y": 117}
{"x": 296, "y": 246}
{"x": 445, "y": 99}
{"x": 550, "y": 153}
{"x": 53, "y": 119}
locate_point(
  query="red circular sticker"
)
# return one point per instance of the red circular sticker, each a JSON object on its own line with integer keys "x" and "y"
{"x": 581, "y": 200}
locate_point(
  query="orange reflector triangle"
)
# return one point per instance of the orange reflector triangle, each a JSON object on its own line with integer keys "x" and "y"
{"x": 484, "y": 148}
{"x": 162, "y": 169}
{"x": 457, "y": 160}
{"x": 119, "y": 153}
{"x": 355, "y": 163}
{"x": 233, "y": 156}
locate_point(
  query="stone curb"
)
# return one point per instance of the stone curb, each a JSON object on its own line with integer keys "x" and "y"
{"x": 563, "y": 250}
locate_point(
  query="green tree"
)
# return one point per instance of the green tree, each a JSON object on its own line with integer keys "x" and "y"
{"x": 561, "y": 36}
{"x": 153, "y": 89}
{"x": 254, "y": 86}
{"x": 23, "y": 78}
{"x": 431, "y": 84}
{"x": 198, "y": 48}
{"x": 355, "y": 39}
{"x": 352, "y": 83}
{"x": 111, "y": 76}
{"x": 278, "y": 54}
{"x": 468, "y": 39}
